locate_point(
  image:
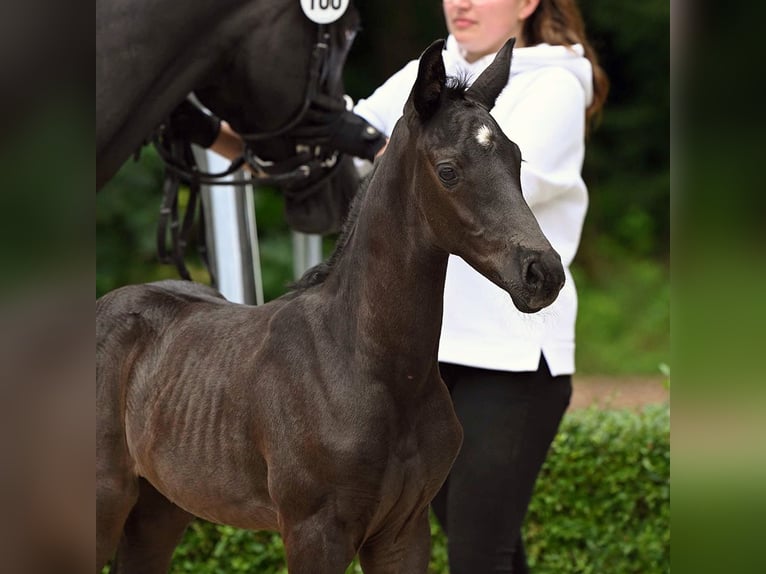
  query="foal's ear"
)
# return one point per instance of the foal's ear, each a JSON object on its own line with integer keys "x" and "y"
{"x": 491, "y": 82}
{"x": 428, "y": 87}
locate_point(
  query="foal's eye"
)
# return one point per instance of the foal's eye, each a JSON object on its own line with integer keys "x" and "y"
{"x": 447, "y": 174}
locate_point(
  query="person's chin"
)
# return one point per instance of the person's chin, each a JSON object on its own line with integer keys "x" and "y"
{"x": 466, "y": 38}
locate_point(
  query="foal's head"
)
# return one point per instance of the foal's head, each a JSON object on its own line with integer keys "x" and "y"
{"x": 467, "y": 182}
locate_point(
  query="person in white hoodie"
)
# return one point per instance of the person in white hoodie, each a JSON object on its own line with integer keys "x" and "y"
{"x": 510, "y": 374}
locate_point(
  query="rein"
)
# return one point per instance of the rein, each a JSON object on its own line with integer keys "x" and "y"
{"x": 319, "y": 57}
{"x": 295, "y": 169}
{"x": 174, "y": 233}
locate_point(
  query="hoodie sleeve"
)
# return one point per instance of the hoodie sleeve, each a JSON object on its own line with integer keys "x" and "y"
{"x": 385, "y": 105}
{"x": 547, "y": 121}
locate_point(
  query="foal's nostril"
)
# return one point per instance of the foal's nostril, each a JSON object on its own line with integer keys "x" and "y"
{"x": 533, "y": 275}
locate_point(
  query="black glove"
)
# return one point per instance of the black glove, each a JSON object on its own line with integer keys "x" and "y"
{"x": 329, "y": 124}
{"x": 190, "y": 123}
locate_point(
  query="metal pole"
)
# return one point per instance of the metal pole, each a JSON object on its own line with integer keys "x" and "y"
{"x": 232, "y": 237}
{"x": 307, "y": 252}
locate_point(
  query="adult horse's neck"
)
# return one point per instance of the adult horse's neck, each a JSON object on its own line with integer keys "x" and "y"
{"x": 391, "y": 276}
{"x": 148, "y": 58}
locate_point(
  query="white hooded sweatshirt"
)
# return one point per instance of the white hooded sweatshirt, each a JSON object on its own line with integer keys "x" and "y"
{"x": 543, "y": 111}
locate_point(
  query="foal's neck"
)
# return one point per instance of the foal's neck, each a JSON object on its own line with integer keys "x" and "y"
{"x": 392, "y": 276}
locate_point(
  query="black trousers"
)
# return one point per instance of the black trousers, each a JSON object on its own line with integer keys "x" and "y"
{"x": 509, "y": 421}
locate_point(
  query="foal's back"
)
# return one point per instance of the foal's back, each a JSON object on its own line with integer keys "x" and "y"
{"x": 139, "y": 328}
{"x": 133, "y": 315}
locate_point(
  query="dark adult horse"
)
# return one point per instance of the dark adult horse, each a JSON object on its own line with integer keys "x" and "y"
{"x": 321, "y": 414}
{"x": 258, "y": 64}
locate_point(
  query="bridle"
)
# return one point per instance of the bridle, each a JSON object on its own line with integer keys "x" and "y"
{"x": 301, "y": 175}
{"x": 306, "y": 161}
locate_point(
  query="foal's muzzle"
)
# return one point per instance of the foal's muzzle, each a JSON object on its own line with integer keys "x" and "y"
{"x": 542, "y": 277}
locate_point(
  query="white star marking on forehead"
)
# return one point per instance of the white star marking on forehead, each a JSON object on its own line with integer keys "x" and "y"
{"x": 484, "y": 136}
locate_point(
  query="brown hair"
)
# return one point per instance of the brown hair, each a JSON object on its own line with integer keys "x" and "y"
{"x": 559, "y": 22}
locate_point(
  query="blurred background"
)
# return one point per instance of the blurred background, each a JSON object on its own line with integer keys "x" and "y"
{"x": 622, "y": 269}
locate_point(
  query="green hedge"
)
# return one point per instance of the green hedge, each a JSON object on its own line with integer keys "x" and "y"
{"x": 602, "y": 502}
{"x": 602, "y": 505}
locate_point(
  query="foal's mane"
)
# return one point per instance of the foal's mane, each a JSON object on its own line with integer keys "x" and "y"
{"x": 454, "y": 89}
{"x": 457, "y": 85}
{"x": 317, "y": 274}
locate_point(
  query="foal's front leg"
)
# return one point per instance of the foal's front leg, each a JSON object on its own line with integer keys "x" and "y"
{"x": 406, "y": 553}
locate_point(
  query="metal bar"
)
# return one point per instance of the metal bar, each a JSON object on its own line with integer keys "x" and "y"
{"x": 307, "y": 252}
{"x": 232, "y": 235}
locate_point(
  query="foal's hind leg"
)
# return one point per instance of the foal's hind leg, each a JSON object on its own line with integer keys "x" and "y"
{"x": 116, "y": 493}
{"x": 153, "y": 530}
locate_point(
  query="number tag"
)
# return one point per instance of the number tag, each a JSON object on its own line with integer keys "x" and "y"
{"x": 324, "y": 11}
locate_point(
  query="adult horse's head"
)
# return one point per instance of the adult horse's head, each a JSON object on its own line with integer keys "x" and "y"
{"x": 281, "y": 88}
{"x": 468, "y": 186}
{"x": 267, "y": 76}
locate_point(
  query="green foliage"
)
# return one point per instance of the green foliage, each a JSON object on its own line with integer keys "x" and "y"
{"x": 439, "y": 562}
{"x": 627, "y": 164}
{"x": 623, "y": 319}
{"x": 127, "y": 211}
{"x": 602, "y": 501}
{"x": 601, "y": 504}
{"x": 215, "y": 549}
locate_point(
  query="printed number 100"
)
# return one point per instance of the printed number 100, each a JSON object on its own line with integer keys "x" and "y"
{"x": 325, "y": 4}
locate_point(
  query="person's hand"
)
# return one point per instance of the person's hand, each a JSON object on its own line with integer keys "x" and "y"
{"x": 328, "y": 123}
{"x": 190, "y": 123}
{"x": 382, "y": 149}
